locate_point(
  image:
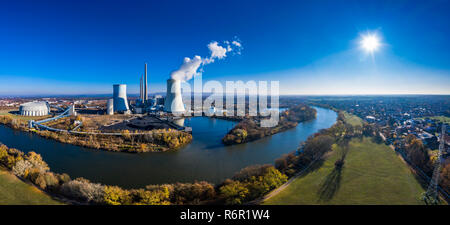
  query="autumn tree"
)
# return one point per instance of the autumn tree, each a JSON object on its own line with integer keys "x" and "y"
{"x": 234, "y": 192}
{"x": 146, "y": 197}
{"x": 316, "y": 147}
{"x": 417, "y": 153}
{"x": 445, "y": 177}
{"x": 115, "y": 195}
{"x": 192, "y": 193}
{"x": 82, "y": 189}
{"x": 260, "y": 185}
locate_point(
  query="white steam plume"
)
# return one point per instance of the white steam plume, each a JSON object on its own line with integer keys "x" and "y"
{"x": 190, "y": 67}
{"x": 217, "y": 51}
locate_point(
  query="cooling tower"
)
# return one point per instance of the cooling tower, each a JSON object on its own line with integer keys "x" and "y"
{"x": 109, "y": 107}
{"x": 179, "y": 122}
{"x": 173, "y": 102}
{"x": 120, "y": 98}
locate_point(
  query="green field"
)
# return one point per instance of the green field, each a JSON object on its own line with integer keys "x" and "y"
{"x": 15, "y": 192}
{"x": 352, "y": 119}
{"x": 372, "y": 174}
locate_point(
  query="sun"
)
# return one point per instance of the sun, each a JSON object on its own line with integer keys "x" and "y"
{"x": 370, "y": 42}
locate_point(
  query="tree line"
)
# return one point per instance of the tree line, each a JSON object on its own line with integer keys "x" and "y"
{"x": 425, "y": 159}
{"x": 249, "y": 128}
{"x": 31, "y": 167}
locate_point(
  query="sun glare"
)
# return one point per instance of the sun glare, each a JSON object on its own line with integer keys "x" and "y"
{"x": 370, "y": 42}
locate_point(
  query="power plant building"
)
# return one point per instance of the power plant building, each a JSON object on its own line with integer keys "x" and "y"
{"x": 120, "y": 102}
{"x": 157, "y": 100}
{"x": 34, "y": 109}
{"x": 174, "y": 102}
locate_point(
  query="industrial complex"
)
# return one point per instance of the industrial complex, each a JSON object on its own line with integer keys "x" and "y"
{"x": 172, "y": 103}
{"x": 119, "y": 103}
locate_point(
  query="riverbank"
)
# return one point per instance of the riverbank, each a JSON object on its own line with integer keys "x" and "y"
{"x": 31, "y": 167}
{"x": 159, "y": 140}
{"x": 205, "y": 158}
{"x": 254, "y": 180}
{"x": 250, "y": 129}
{"x": 203, "y": 192}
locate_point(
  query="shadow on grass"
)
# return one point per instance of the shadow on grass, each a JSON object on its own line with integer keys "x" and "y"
{"x": 331, "y": 185}
{"x": 332, "y": 182}
{"x": 313, "y": 167}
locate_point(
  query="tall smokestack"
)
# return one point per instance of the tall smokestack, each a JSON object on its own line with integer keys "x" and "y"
{"x": 145, "y": 94}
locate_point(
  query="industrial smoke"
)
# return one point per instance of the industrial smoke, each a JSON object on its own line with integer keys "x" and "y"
{"x": 190, "y": 67}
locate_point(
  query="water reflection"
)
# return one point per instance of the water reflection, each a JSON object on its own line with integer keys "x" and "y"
{"x": 179, "y": 122}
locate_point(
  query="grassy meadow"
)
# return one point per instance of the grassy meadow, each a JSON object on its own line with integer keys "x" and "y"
{"x": 372, "y": 174}
{"x": 352, "y": 119}
{"x": 16, "y": 192}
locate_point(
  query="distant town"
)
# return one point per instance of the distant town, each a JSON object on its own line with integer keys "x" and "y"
{"x": 399, "y": 116}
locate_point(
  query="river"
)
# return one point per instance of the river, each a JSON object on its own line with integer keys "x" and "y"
{"x": 205, "y": 158}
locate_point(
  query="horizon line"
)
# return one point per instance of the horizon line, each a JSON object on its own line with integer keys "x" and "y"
{"x": 158, "y": 93}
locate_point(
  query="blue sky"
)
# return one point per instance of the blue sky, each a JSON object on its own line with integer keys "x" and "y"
{"x": 311, "y": 47}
